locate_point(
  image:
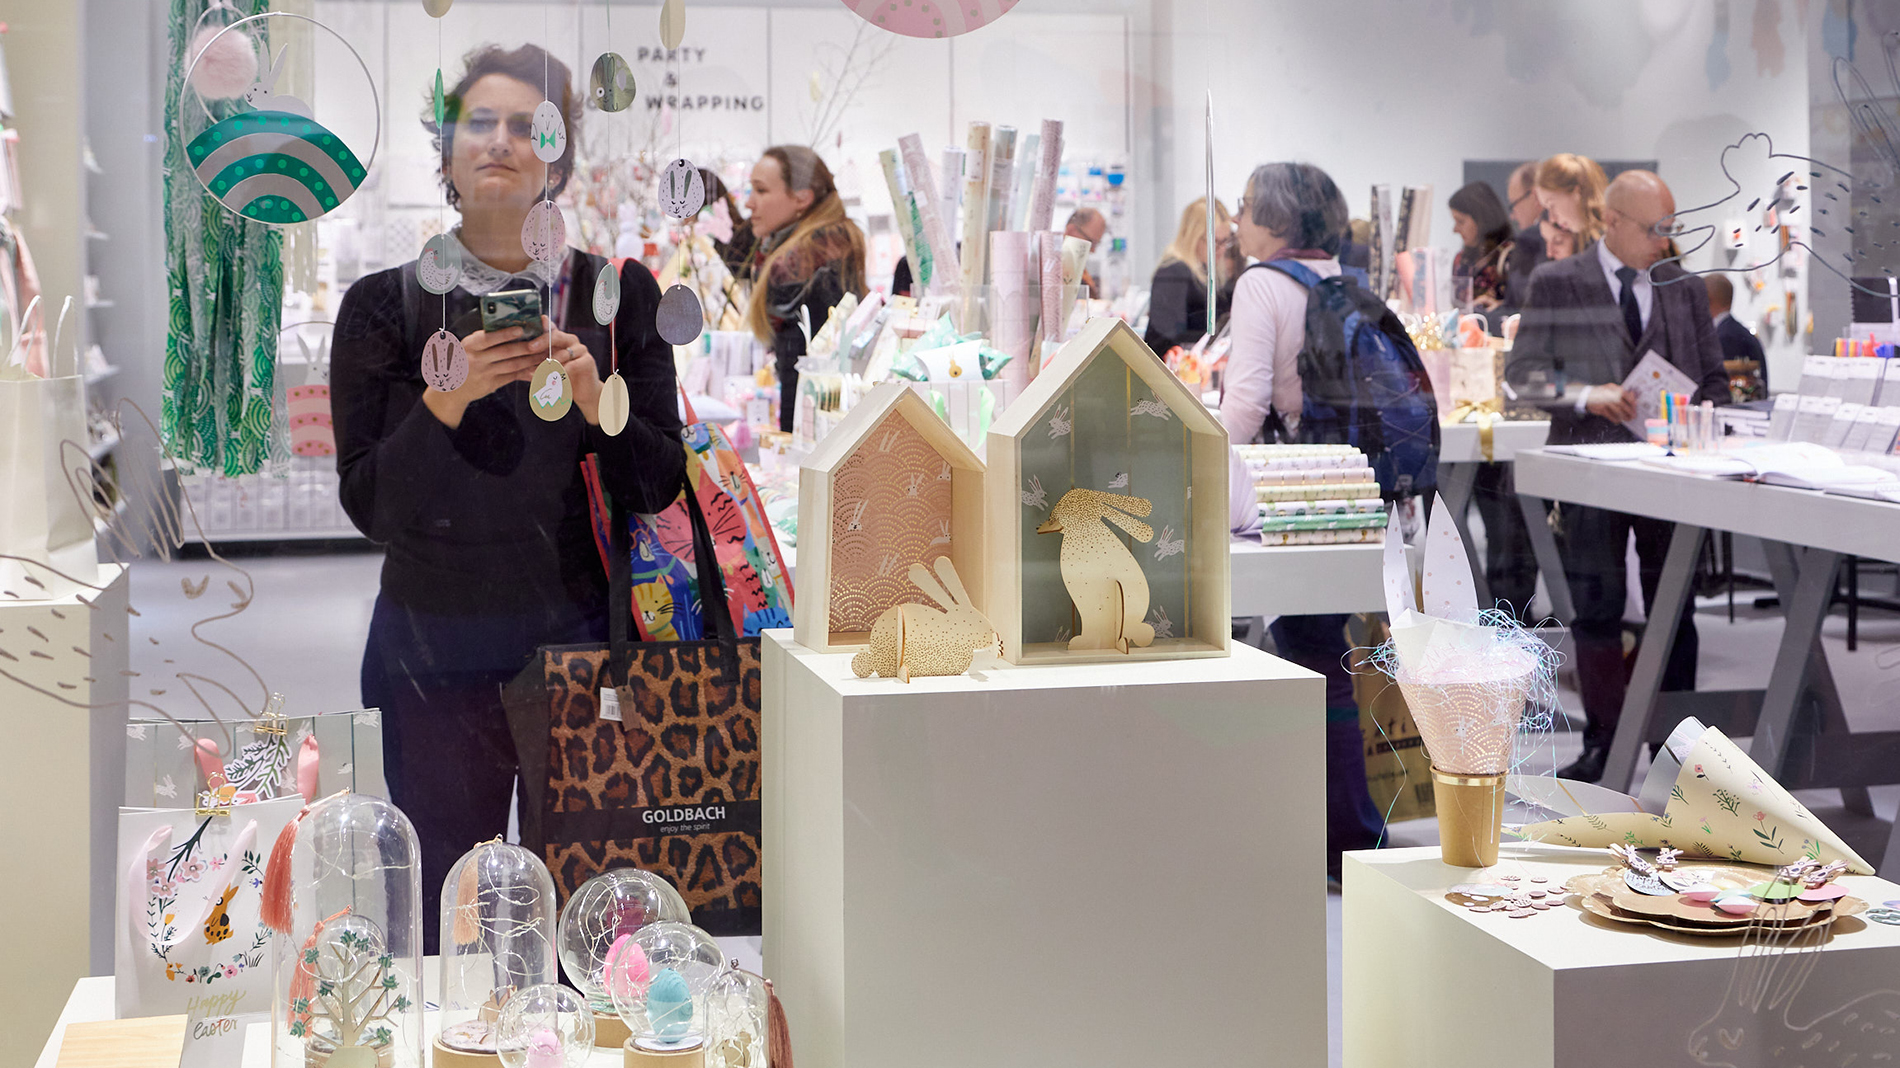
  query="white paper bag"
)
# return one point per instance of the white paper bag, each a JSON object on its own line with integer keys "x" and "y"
{"x": 187, "y": 937}
{"x": 45, "y": 476}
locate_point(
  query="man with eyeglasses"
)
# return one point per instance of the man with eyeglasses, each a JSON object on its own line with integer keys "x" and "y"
{"x": 1587, "y": 322}
{"x": 1527, "y": 249}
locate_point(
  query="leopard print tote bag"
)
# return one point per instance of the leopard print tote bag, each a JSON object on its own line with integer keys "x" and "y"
{"x": 672, "y": 786}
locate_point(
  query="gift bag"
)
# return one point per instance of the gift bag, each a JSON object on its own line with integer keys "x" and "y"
{"x": 261, "y": 759}
{"x": 45, "y": 473}
{"x": 666, "y": 778}
{"x": 1474, "y": 378}
{"x": 1398, "y": 770}
{"x": 187, "y": 938}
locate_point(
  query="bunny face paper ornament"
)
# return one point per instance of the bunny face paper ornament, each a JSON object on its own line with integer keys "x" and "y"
{"x": 1107, "y": 536}
{"x": 1467, "y": 676}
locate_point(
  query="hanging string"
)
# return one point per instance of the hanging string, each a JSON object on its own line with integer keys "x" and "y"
{"x": 442, "y": 211}
{"x": 547, "y": 178}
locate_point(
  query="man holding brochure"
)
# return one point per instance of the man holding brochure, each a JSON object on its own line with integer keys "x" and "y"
{"x": 1589, "y": 322}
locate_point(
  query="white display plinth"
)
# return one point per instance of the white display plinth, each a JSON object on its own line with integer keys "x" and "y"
{"x": 1427, "y": 982}
{"x": 1461, "y": 443}
{"x": 66, "y": 780}
{"x": 1100, "y": 864}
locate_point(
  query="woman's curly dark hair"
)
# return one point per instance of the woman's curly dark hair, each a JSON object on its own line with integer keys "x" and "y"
{"x": 530, "y": 65}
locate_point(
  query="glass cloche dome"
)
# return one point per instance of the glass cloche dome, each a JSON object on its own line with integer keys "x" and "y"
{"x": 546, "y": 1026}
{"x": 660, "y": 979}
{"x": 497, "y": 939}
{"x": 603, "y": 909}
{"x": 347, "y": 964}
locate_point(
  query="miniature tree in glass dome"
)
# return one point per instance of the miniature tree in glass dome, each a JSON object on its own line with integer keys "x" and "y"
{"x": 610, "y": 907}
{"x": 546, "y": 1026}
{"x": 497, "y": 939}
{"x": 660, "y": 979}
{"x": 344, "y": 892}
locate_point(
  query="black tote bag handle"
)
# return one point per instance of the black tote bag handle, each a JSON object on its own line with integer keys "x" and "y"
{"x": 715, "y": 611}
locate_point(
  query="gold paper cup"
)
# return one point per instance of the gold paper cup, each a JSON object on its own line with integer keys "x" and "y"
{"x": 1470, "y": 817}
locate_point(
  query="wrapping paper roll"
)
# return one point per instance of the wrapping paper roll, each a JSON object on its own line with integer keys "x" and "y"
{"x": 950, "y": 185}
{"x": 1012, "y": 307}
{"x": 1042, "y": 202}
{"x": 904, "y": 210}
{"x": 1381, "y": 250}
{"x": 1002, "y": 176}
{"x": 1049, "y": 274}
{"x": 1028, "y": 157}
{"x": 1075, "y": 257}
{"x": 933, "y": 230}
{"x": 976, "y": 220}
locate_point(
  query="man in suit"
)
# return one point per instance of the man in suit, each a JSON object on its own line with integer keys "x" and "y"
{"x": 1587, "y": 322}
{"x": 1737, "y": 341}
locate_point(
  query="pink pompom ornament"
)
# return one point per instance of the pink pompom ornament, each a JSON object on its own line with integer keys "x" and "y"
{"x": 226, "y": 63}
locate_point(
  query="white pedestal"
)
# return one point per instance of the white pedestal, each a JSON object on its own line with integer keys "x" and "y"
{"x": 65, "y": 781}
{"x": 1105, "y": 864}
{"x": 1429, "y": 983}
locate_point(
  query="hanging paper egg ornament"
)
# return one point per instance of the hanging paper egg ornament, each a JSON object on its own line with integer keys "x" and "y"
{"x": 444, "y": 362}
{"x": 606, "y": 295}
{"x": 441, "y": 102}
{"x": 614, "y": 405}
{"x": 437, "y": 8}
{"x": 550, "y": 394}
{"x": 544, "y": 232}
{"x": 930, "y": 18}
{"x": 548, "y": 134}
{"x": 672, "y": 23}
{"x": 679, "y": 318}
{"x": 611, "y": 82}
{"x": 682, "y": 190}
{"x": 439, "y": 267}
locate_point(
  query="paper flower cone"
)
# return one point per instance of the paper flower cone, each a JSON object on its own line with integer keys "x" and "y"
{"x": 1466, "y": 684}
{"x": 1724, "y": 806}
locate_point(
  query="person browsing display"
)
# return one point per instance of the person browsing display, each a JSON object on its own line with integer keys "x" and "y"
{"x": 478, "y": 503}
{"x": 809, "y": 255}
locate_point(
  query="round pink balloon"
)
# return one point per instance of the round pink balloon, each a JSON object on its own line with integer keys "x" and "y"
{"x": 930, "y": 18}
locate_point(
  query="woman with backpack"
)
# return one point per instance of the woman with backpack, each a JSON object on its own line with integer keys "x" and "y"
{"x": 1294, "y": 212}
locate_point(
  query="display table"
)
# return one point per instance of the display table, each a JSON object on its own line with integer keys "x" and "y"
{"x": 1460, "y": 454}
{"x": 1426, "y": 982}
{"x": 66, "y": 737}
{"x": 1101, "y": 864}
{"x": 1298, "y": 580}
{"x": 1804, "y": 533}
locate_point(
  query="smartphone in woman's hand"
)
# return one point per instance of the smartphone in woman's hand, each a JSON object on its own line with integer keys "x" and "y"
{"x": 513, "y": 307}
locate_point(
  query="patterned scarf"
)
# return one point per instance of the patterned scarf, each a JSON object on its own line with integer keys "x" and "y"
{"x": 225, "y": 278}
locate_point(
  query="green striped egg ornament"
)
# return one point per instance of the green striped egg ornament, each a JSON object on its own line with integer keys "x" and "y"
{"x": 274, "y": 166}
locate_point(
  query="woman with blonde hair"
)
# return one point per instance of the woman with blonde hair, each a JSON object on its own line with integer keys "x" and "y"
{"x": 1570, "y": 187}
{"x": 1177, "y": 303}
{"x": 809, "y": 256}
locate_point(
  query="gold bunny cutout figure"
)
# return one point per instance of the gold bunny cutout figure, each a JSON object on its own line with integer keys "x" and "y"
{"x": 1103, "y": 578}
{"x": 915, "y": 639}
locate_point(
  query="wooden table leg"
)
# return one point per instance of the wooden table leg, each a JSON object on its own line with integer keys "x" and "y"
{"x": 1673, "y": 591}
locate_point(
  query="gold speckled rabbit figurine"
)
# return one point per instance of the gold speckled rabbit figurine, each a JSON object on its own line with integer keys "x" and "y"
{"x": 915, "y": 639}
{"x": 1103, "y": 578}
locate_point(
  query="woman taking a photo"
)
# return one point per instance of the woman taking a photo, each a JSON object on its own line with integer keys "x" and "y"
{"x": 809, "y": 256}
{"x": 1293, "y": 211}
{"x": 478, "y": 503}
{"x": 1177, "y": 304}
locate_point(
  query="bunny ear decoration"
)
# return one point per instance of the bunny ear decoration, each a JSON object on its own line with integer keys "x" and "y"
{"x": 920, "y": 578}
{"x": 1400, "y": 599}
{"x": 1448, "y": 589}
{"x": 947, "y": 571}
